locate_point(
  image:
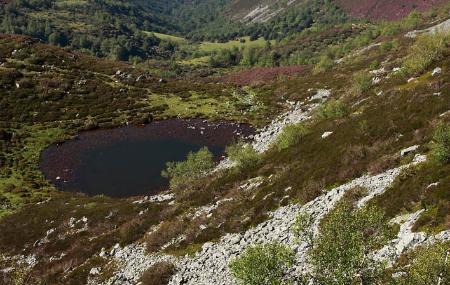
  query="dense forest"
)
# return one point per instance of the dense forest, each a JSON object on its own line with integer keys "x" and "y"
{"x": 124, "y": 30}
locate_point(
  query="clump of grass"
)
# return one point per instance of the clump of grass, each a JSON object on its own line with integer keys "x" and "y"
{"x": 291, "y": 135}
{"x": 440, "y": 148}
{"x": 332, "y": 109}
{"x": 361, "y": 82}
{"x": 426, "y": 50}
{"x": 195, "y": 166}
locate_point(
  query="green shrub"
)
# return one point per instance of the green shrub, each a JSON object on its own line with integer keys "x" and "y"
{"x": 325, "y": 63}
{"x": 340, "y": 253}
{"x": 332, "y": 109}
{"x": 158, "y": 274}
{"x": 440, "y": 148}
{"x": 244, "y": 155}
{"x": 291, "y": 135}
{"x": 361, "y": 82}
{"x": 263, "y": 264}
{"x": 430, "y": 265}
{"x": 426, "y": 50}
{"x": 195, "y": 166}
{"x": 389, "y": 45}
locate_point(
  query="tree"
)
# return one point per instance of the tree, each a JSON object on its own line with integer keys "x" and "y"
{"x": 430, "y": 265}
{"x": 197, "y": 165}
{"x": 263, "y": 264}
{"x": 440, "y": 148}
{"x": 243, "y": 154}
{"x": 341, "y": 252}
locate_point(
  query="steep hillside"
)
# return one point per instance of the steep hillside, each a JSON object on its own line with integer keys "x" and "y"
{"x": 364, "y": 122}
{"x": 386, "y": 9}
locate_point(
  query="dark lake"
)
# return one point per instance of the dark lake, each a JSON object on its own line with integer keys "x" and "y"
{"x": 128, "y": 161}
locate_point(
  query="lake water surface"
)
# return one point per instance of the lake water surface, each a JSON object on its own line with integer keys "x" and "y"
{"x": 128, "y": 161}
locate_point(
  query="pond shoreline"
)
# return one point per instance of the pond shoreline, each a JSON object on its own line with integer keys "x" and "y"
{"x": 61, "y": 162}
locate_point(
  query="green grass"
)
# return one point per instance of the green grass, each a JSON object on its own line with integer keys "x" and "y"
{"x": 215, "y": 46}
{"x": 203, "y": 60}
{"x": 171, "y": 38}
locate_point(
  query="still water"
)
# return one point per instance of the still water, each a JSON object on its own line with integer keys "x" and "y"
{"x": 128, "y": 161}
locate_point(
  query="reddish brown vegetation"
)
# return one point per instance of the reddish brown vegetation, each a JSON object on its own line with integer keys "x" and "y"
{"x": 159, "y": 274}
{"x": 261, "y": 75}
{"x": 386, "y": 9}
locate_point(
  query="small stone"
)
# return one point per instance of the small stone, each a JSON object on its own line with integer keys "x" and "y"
{"x": 433, "y": 185}
{"x": 436, "y": 71}
{"x": 408, "y": 150}
{"x": 326, "y": 134}
{"x": 94, "y": 271}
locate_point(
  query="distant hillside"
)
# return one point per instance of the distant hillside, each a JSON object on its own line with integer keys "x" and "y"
{"x": 386, "y": 9}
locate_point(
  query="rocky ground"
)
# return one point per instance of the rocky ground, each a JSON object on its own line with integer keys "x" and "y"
{"x": 210, "y": 264}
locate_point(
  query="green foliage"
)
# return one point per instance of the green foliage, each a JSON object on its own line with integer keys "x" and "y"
{"x": 225, "y": 58}
{"x": 291, "y": 135}
{"x": 302, "y": 226}
{"x": 243, "y": 154}
{"x": 195, "y": 166}
{"x": 440, "y": 148}
{"x": 361, "y": 82}
{"x": 426, "y": 50}
{"x": 430, "y": 265}
{"x": 341, "y": 251}
{"x": 333, "y": 109}
{"x": 263, "y": 264}
{"x": 389, "y": 45}
{"x": 325, "y": 64}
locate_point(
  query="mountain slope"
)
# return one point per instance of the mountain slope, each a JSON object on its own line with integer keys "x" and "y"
{"x": 386, "y": 9}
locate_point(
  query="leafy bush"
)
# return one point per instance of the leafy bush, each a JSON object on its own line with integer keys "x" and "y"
{"x": 291, "y": 135}
{"x": 361, "y": 82}
{"x": 430, "y": 265}
{"x": 243, "y": 154}
{"x": 440, "y": 148}
{"x": 325, "y": 63}
{"x": 195, "y": 166}
{"x": 332, "y": 109}
{"x": 426, "y": 50}
{"x": 340, "y": 253}
{"x": 389, "y": 45}
{"x": 263, "y": 264}
{"x": 159, "y": 274}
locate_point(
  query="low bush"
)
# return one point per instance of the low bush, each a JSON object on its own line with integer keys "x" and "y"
{"x": 361, "y": 82}
{"x": 263, "y": 264}
{"x": 429, "y": 265}
{"x": 291, "y": 135}
{"x": 426, "y": 50}
{"x": 332, "y": 109}
{"x": 167, "y": 231}
{"x": 195, "y": 166}
{"x": 440, "y": 147}
{"x": 159, "y": 274}
{"x": 243, "y": 154}
{"x": 325, "y": 64}
{"x": 340, "y": 253}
